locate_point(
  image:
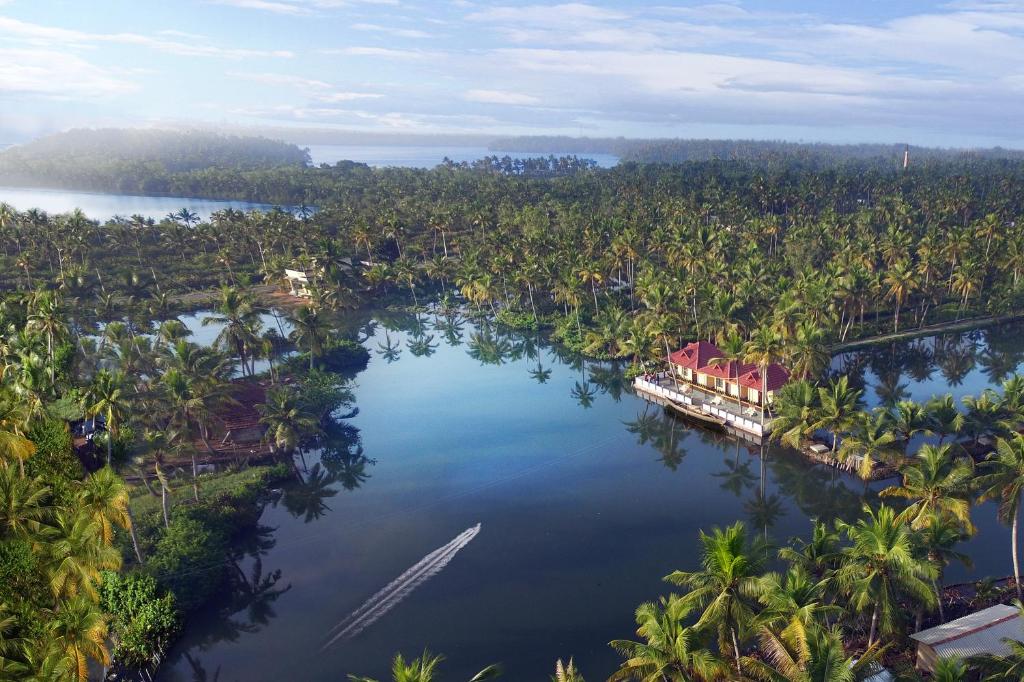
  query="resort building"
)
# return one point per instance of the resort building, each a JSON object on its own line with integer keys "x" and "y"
{"x": 725, "y": 393}
{"x": 982, "y": 632}
{"x": 695, "y": 364}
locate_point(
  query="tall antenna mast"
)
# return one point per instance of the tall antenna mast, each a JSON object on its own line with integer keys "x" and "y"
{"x": 906, "y": 156}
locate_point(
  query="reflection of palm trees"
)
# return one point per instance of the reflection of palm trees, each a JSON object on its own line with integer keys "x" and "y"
{"x": 584, "y": 394}
{"x": 306, "y": 498}
{"x": 199, "y": 673}
{"x": 610, "y": 378}
{"x": 257, "y": 593}
{"x": 451, "y": 327}
{"x": 889, "y": 389}
{"x": 737, "y": 475}
{"x": 644, "y": 427}
{"x": 956, "y": 360}
{"x": 422, "y": 345}
{"x": 388, "y": 349}
{"x": 540, "y": 374}
{"x": 764, "y": 510}
{"x": 487, "y": 348}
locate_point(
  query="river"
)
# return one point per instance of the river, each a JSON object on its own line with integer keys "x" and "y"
{"x": 100, "y": 206}
{"x": 586, "y": 496}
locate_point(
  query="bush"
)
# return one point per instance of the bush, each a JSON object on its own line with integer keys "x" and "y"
{"x": 55, "y": 459}
{"x": 189, "y": 561}
{"x": 516, "y": 319}
{"x": 344, "y": 354}
{"x": 143, "y": 622}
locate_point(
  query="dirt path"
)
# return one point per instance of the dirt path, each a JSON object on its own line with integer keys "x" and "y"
{"x": 958, "y": 326}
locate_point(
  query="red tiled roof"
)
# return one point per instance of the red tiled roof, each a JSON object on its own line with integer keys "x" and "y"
{"x": 729, "y": 370}
{"x": 695, "y": 355}
{"x": 777, "y": 378}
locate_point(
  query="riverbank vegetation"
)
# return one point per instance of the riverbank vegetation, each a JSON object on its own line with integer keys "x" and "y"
{"x": 97, "y": 571}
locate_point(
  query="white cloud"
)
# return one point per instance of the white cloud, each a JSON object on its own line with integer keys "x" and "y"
{"x": 37, "y": 32}
{"x": 547, "y": 15}
{"x": 282, "y": 80}
{"x": 335, "y": 97}
{"x": 391, "y": 30}
{"x": 499, "y": 97}
{"x": 298, "y": 7}
{"x": 56, "y": 74}
{"x": 384, "y": 52}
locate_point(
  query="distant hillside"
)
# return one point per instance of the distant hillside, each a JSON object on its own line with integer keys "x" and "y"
{"x": 766, "y": 151}
{"x": 97, "y": 160}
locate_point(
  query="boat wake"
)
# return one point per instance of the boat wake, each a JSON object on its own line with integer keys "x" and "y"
{"x": 398, "y": 589}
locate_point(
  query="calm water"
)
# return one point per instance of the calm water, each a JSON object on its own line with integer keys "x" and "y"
{"x": 425, "y": 157}
{"x": 586, "y": 495}
{"x": 105, "y": 206}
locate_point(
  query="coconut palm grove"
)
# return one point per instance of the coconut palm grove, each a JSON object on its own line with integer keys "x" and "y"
{"x": 165, "y": 377}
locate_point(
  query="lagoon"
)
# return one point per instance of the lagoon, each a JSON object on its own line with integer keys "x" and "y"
{"x": 102, "y": 207}
{"x": 586, "y": 494}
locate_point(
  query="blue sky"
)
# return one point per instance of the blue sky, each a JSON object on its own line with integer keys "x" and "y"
{"x": 947, "y": 74}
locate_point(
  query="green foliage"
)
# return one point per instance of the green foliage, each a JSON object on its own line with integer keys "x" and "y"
{"x": 344, "y": 355}
{"x": 143, "y": 621}
{"x": 517, "y": 319}
{"x": 188, "y": 560}
{"x": 55, "y": 460}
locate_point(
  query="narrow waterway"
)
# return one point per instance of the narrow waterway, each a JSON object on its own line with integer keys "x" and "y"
{"x": 585, "y": 496}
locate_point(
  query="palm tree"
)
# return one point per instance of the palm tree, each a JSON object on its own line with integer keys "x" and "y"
{"x": 818, "y": 556}
{"x": 423, "y": 669}
{"x": 880, "y": 567}
{"x": 669, "y": 650}
{"x": 939, "y": 485}
{"x": 813, "y": 654}
{"x": 287, "y": 419}
{"x": 76, "y": 555}
{"x": 871, "y": 440}
{"x": 14, "y": 445}
{"x": 104, "y": 497}
{"x": 763, "y": 349}
{"x": 309, "y": 331}
{"x": 23, "y": 503}
{"x": 797, "y": 410}
{"x": 107, "y": 396}
{"x": 240, "y": 322}
{"x": 937, "y": 539}
{"x": 840, "y": 405}
{"x": 1004, "y": 480}
{"x": 728, "y": 584}
{"x": 79, "y": 628}
{"x": 943, "y": 416}
{"x": 566, "y": 672}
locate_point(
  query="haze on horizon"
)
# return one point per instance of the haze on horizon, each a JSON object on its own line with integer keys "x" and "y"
{"x": 941, "y": 74}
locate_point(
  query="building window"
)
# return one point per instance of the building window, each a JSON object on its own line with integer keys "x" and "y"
{"x": 753, "y": 395}
{"x": 687, "y": 374}
{"x": 719, "y": 384}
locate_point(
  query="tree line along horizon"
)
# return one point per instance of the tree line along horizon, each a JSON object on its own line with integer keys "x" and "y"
{"x": 627, "y": 262}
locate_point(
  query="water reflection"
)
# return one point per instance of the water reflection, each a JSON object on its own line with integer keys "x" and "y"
{"x": 472, "y": 422}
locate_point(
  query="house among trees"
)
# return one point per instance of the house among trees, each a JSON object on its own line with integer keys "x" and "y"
{"x": 298, "y": 280}
{"x": 982, "y": 632}
{"x": 701, "y": 364}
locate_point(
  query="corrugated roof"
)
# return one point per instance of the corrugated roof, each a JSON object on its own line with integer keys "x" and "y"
{"x": 981, "y": 632}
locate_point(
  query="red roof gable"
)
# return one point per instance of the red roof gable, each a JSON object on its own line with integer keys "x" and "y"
{"x": 777, "y": 378}
{"x": 729, "y": 370}
{"x": 695, "y": 355}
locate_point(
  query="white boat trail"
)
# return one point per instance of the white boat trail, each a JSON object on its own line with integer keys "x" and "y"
{"x": 398, "y": 589}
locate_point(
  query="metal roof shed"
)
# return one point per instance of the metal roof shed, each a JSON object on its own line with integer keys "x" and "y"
{"x": 981, "y": 632}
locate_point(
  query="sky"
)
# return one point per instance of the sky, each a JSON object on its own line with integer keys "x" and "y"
{"x": 944, "y": 74}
